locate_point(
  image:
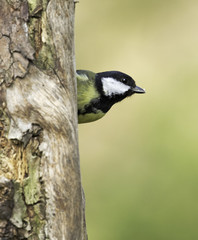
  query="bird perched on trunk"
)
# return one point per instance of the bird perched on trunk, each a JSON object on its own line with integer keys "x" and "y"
{"x": 98, "y": 92}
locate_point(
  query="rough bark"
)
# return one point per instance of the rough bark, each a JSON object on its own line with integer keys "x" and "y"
{"x": 40, "y": 184}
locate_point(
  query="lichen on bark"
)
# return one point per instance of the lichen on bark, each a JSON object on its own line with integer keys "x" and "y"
{"x": 40, "y": 35}
{"x": 22, "y": 211}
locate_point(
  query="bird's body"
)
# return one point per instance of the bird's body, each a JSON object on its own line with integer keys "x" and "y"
{"x": 98, "y": 92}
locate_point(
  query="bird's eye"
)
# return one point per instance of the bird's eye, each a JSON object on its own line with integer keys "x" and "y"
{"x": 123, "y": 80}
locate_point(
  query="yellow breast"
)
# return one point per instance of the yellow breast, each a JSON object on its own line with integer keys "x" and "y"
{"x": 90, "y": 117}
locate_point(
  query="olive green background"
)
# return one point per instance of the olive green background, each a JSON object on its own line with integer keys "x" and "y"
{"x": 140, "y": 162}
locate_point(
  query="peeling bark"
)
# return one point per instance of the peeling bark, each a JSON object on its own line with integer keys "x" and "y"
{"x": 41, "y": 196}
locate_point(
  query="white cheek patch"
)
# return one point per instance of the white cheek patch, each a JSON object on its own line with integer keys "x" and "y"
{"x": 111, "y": 86}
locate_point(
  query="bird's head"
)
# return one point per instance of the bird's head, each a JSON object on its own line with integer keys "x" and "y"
{"x": 114, "y": 84}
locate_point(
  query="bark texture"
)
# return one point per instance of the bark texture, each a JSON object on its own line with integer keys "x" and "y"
{"x": 41, "y": 196}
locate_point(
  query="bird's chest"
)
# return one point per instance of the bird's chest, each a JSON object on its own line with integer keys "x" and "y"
{"x": 90, "y": 117}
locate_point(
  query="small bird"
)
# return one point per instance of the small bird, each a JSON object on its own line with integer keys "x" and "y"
{"x": 98, "y": 92}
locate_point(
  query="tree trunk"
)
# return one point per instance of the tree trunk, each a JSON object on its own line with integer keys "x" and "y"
{"x": 41, "y": 196}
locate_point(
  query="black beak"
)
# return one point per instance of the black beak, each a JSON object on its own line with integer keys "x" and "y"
{"x": 138, "y": 90}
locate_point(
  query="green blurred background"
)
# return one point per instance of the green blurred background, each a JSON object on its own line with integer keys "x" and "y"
{"x": 140, "y": 162}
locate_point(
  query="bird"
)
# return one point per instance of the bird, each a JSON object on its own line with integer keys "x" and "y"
{"x": 98, "y": 92}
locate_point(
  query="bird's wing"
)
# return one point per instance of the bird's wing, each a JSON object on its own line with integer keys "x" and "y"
{"x": 86, "y": 88}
